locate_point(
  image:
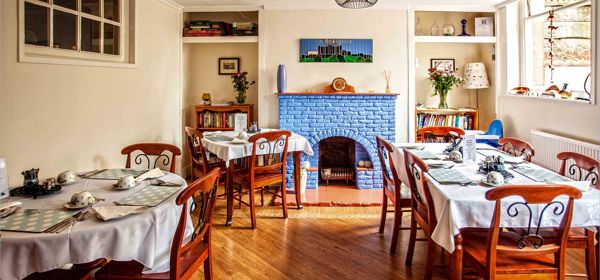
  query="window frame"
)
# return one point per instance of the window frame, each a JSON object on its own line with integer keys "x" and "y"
{"x": 524, "y": 17}
{"x": 50, "y": 55}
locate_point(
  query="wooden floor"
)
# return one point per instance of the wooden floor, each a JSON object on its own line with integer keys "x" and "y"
{"x": 318, "y": 243}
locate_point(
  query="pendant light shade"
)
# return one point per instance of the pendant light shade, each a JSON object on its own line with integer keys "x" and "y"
{"x": 356, "y": 4}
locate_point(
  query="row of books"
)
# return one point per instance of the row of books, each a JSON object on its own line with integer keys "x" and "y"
{"x": 219, "y": 28}
{"x": 458, "y": 120}
{"x": 221, "y": 119}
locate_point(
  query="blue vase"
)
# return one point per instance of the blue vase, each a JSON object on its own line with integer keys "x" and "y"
{"x": 281, "y": 79}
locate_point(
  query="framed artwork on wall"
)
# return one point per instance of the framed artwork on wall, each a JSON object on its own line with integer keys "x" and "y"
{"x": 336, "y": 50}
{"x": 229, "y": 65}
{"x": 443, "y": 63}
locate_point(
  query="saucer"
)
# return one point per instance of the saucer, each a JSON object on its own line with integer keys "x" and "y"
{"x": 116, "y": 187}
{"x": 67, "y": 183}
{"x": 485, "y": 181}
{"x": 71, "y": 207}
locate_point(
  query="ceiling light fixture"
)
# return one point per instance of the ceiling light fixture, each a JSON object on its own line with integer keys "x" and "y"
{"x": 356, "y": 4}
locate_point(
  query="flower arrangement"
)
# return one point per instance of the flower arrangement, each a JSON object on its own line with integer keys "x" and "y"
{"x": 240, "y": 86}
{"x": 442, "y": 81}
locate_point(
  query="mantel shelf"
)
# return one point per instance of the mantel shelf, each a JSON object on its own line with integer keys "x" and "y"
{"x": 456, "y": 39}
{"x": 220, "y": 39}
{"x": 334, "y": 93}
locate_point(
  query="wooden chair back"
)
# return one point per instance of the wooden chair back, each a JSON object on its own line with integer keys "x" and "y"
{"x": 197, "y": 152}
{"x": 419, "y": 188}
{"x": 152, "y": 149}
{"x": 439, "y": 134}
{"x": 391, "y": 178}
{"x": 202, "y": 193}
{"x": 272, "y": 146}
{"x": 531, "y": 243}
{"x": 582, "y": 168}
{"x": 516, "y": 147}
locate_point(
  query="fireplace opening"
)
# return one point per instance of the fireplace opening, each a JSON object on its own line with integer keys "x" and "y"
{"x": 337, "y": 161}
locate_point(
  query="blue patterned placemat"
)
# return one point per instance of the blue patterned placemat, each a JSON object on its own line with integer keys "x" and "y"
{"x": 448, "y": 176}
{"x": 540, "y": 175}
{"x": 116, "y": 173}
{"x": 34, "y": 220}
{"x": 148, "y": 196}
{"x": 424, "y": 154}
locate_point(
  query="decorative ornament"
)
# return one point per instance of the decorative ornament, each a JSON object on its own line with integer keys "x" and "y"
{"x": 387, "y": 75}
{"x": 552, "y": 28}
{"x": 356, "y": 4}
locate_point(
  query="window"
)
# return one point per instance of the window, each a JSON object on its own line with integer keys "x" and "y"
{"x": 558, "y": 50}
{"x": 76, "y": 30}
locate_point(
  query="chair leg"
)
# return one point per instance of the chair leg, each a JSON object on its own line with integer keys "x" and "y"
{"x": 383, "y": 213}
{"x": 262, "y": 196}
{"x": 411, "y": 240}
{"x": 591, "y": 257}
{"x": 396, "y": 230}
{"x": 208, "y": 271}
{"x": 252, "y": 208}
{"x": 284, "y": 201}
{"x": 430, "y": 257}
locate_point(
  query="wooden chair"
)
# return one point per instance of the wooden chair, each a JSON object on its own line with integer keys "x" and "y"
{"x": 200, "y": 161}
{"x": 423, "y": 210}
{"x": 185, "y": 258}
{"x": 583, "y": 168}
{"x": 152, "y": 149}
{"x": 439, "y": 134}
{"x": 393, "y": 189}
{"x": 506, "y": 254}
{"x": 271, "y": 147}
{"x": 76, "y": 272}
{"x": 516, "y": 147}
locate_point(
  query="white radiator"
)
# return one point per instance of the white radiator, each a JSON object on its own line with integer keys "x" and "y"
{"x": 547, "y": 146}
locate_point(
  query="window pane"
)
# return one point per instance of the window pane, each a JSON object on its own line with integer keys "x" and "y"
{"x": 36, "y": 25}
{"x": 91, "y": 7}
{"x": 65, "y": 30}
{"x": 90, "y": 35}
{"x": 111, "y": 39}
{"x": 71, "y": 4}
{"x": 111, "y": 10}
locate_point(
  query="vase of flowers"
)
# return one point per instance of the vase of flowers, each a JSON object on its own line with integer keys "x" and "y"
{"x": 240, "y": 86}
{"x": 442, "y": 81}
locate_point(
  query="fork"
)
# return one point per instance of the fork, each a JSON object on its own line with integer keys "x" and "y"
{"x": 68, "y": 222}
{"x": 165, "y": 184}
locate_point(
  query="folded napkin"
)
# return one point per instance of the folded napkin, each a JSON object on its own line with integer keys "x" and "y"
{"x": 151, "y": 174}
{"x": 8, "y": 205}
{"x": 583, "y": 186}
{"x": 238, "y": 141}
{"x": 435, "y": 162}
{"x": 511, "y": 159}
{"x": 110, "y": 212}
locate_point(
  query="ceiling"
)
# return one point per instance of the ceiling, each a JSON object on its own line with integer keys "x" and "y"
{"x": 330, "y": 4}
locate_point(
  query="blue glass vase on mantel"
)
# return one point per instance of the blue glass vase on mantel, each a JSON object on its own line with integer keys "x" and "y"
{"x": 281, "y": 79}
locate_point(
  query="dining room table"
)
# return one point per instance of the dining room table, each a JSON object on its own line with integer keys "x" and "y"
{"x": 228, "y": 146}
{"x": 144, "y": 232}
{"x": 458, "y": 192}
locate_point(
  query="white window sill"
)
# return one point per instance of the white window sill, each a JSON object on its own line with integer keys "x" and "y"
{"x": 548, "y": 99}
{"x": 76, "y": 62}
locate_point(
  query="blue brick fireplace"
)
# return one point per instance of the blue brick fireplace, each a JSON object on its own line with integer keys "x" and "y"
{"x": 359, "y": 117}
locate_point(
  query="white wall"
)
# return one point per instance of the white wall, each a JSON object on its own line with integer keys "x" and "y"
{"x": 283, "y": 30}
{"x": 522, "y": 115}
{"x": 58, "y": 117}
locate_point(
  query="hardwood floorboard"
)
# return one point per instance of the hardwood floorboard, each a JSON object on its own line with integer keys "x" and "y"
{"x": 343, "y": 245}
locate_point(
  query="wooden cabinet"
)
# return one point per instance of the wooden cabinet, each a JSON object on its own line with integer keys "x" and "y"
{"x": 211, "y": 118}
{"x": 465, "y": 118}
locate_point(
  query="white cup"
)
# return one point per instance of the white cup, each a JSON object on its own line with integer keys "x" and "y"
{"x": 82, "y": 199}
{"x": 66, "y": 177}
{"x": 126, "y": 182}
{"x": 495, "y": 178}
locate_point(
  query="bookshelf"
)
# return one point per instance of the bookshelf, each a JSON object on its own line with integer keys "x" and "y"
{"x": 464, "y": 118}
{"x": 212, "y": 118}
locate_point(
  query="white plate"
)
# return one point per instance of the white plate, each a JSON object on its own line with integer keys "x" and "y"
{"x": 484, "y": 181}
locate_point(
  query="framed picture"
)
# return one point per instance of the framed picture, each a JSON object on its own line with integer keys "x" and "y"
{"x": 443, "y": 63}
{"x": 229, "y": 65}
{"x": 336, "y": 50}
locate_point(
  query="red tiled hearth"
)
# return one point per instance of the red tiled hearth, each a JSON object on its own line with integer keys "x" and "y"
{"x": 336, "y": 196}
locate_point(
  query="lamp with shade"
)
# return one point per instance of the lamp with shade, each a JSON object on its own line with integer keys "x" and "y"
{"x": 476, "y": 78}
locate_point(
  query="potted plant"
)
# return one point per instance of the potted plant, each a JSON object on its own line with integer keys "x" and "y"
{"x": 442, "y": 81}
{"x": 240, "y": 86}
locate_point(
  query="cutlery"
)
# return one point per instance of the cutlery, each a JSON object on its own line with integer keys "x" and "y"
{"x": 68, "y": 222}
{"x": 92, "y": 173}
{"x": 162, "y": 183}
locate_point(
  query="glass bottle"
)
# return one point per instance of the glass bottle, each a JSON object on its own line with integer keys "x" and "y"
{"x": 435, "y": 29}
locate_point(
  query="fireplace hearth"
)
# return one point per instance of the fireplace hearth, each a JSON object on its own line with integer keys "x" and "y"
{"x": 337, "y": 160}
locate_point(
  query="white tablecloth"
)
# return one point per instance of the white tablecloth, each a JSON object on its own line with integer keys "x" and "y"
{"x": 226, "y": 150}
{"x": 460, "y": 207}
{"x": 145, "y": 237}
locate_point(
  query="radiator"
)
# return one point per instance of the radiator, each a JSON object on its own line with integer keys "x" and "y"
{"x": 547, "y": 146}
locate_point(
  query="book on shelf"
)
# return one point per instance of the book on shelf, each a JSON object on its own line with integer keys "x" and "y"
{"x": 462, "y": 121}
{"x": 208, "y": 28}
{"x": 217, "y": 120}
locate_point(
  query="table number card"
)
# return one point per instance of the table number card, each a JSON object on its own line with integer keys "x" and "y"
{"x": 3, "y": 179}
{"x": 469, "y": 149}
{"x": 240, "y": 121}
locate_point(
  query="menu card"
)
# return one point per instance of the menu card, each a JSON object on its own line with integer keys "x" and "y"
{"x": 469, "y": 149}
